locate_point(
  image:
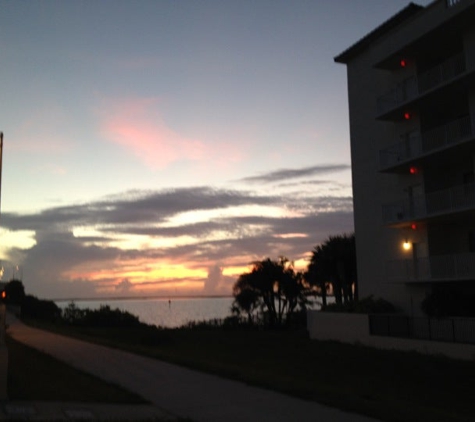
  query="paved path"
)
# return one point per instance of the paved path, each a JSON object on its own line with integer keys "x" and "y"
{"x": 176, "y": 390}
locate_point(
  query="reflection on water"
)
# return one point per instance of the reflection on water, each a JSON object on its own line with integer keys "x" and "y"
{"x": 164, "y": 312}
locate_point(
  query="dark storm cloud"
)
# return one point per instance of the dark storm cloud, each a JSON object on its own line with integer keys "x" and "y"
{"x": 134, "y": 207}
{"x": 245, "y": 242}
{"x": 286, "y": 174}
{"x": 231, "y": 238}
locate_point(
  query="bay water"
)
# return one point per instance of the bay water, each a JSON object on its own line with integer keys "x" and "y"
{"x": 169, "y": 313}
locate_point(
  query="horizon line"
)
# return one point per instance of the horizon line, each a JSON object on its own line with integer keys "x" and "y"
{"x": 169, "y": 297}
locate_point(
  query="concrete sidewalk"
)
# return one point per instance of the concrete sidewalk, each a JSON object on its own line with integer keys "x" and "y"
{"x": 175, "y": 391}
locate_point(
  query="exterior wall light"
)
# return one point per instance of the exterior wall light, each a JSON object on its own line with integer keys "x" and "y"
{"x": 406, "y": 245}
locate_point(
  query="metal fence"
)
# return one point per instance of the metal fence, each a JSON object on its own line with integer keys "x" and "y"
{"x": 453, "y": 330}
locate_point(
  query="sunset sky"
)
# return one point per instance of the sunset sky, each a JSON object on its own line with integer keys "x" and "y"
{"x": 159, "y": 147}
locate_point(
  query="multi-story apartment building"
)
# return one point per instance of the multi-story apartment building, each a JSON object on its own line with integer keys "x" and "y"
{"x": 411, "y": 89}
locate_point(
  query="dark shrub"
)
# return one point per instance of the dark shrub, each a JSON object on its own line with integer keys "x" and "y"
{"x": 102, "y": 317}
{"x": 72, "y": 314}
{"x": 367, "y": 305}
{"x": 45, "y": 310}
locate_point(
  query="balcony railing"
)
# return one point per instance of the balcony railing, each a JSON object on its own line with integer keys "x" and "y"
{"x": 399, "y": 94}
{"x": 455, "y": 199}
{"x": 416, "y": 145}
{"x": 444, "y": 72}
{"x": 414, "y": 86}
{"x": 434, "y": 268}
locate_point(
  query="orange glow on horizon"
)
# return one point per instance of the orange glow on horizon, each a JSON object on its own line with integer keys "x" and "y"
{"x": 144, "y": 277}
{"x": 290, "y": 235}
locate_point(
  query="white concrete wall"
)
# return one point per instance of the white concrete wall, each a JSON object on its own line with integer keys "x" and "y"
{"x": 354, "y": 328}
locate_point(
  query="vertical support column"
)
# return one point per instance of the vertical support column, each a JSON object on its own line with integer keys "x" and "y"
{"x": 3, "y": 355}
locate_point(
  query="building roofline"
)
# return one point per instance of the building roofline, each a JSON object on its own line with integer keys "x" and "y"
{"x": 410, "y": 10}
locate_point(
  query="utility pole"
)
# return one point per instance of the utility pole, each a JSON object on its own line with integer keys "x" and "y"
{"x": 1, "y": 160}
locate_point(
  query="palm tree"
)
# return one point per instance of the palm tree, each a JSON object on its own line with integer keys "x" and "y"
{"x": 334, "y": 261}
{"x": 246, "y": 297}
{"x": 272, "y": 286}
{"x": 315, "y": 276}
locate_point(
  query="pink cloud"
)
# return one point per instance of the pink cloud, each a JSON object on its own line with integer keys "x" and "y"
{"x": 137, "y": 125}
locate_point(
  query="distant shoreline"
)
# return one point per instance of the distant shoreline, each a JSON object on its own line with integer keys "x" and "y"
{"x": 98, "y": 299}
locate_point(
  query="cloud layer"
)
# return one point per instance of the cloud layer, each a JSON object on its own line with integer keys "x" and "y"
{"x": 194, "y": 240}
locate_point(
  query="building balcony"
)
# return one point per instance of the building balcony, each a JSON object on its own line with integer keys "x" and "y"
{"x": 456, "y": 199}
{"x": 417, "y": 145}
{"x": 414, "y": 87}
{"x": 451, "y": 267}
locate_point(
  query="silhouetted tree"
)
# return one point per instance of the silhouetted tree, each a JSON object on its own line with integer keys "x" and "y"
{"x": 334, "y": 261}
{"x": 246, "y": 297}
{"x": 272, "y": 287}
{"x": 316, "y": 277}
{"x": 15, "y": 292}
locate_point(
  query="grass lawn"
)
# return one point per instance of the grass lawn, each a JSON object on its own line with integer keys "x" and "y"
{"x": 389, "y": 385}
{"x": 32, "y": 375}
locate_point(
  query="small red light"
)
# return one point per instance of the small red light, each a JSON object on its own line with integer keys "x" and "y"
{"x": 407, "y": 116}
{"x": 403, "y": 63}
{"x": 413, "y": 226}
{"x": 413, "y": 170}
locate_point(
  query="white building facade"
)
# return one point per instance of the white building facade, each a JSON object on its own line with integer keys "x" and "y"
{"x": 411, "y": 90}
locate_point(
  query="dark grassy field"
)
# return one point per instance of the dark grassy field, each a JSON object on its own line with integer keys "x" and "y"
{"x": 392, "y": 386}
{"x": 33, "y": 375}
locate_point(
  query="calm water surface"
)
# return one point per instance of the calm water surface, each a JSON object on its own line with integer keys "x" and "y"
{"x": 163, "y": 313}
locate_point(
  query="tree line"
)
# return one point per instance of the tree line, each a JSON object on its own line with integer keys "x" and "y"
{"x": 273, "y": 291}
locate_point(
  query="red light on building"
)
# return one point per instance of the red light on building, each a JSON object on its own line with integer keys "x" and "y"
{"x": 403, "y": 63}
{"x": 413, "y": 170}
{"x": 413, "y": 226}
{"x": 407, "y": 116}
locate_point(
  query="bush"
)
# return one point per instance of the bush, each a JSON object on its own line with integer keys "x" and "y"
{"x": 367, "y": 305}
{"x": 44, "y": 310}
{"x": 72, "y": 314}
{"x": 102, "y": 317}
